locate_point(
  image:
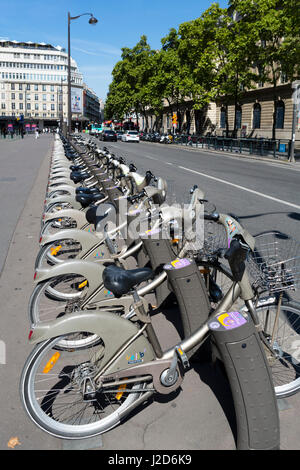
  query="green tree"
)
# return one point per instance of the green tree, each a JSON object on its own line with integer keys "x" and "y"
{"x": 128, "y": 90}
{"x": 274, "y": 28}
{"x": 216, "y": 54}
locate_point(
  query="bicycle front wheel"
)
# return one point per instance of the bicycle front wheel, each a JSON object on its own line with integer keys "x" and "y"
{"x": 54, "y": 391}
{"x": 284, "y": 340}
{"x": 58, "y": 252}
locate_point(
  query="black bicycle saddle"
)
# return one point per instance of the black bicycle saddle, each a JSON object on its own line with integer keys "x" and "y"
{"x": 120, "y": 281}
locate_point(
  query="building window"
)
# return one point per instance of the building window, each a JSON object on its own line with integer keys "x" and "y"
{"x": 13, "y": 96}
{"x": 28, "y": 106}
{"x": 279, "y": 114}
{"x": 36, "y": 97}
{"x": 256, "y": 116}
{"x": 12, "y": 86}
{"x": 52, "y": 88}
{"x": 238, "y": 117}
{"x": 28, "y": 86}
{"x": 36, "y": 87}
{"x": 44, "y": 87}
{"x": 20, "y": 86}
{"x": 223, "y": 118}
{"x": 52, "y": 98}
{"x": 20, "y": 105}
{"x": 283, "y": 77}
{"x": 36, "y": 106}
{"x": 44, "y": 107}
{"x": 13, "y": 106}
{"x": 2, "y": 105}
{"x": 52, "y": 107}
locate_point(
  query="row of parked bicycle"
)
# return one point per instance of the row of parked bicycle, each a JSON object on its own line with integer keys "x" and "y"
{"x": 112, "y": 251}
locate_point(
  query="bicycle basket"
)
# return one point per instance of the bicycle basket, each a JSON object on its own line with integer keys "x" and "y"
{"x": 212, "y": 239}
{"x": 275, "y": 262}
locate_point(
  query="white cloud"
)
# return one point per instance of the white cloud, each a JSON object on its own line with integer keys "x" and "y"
{"x": 95, "y": 48}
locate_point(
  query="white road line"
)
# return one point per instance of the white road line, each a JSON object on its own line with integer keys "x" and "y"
{"x": 151, "y": 158}
{"x": 242, "y": 188}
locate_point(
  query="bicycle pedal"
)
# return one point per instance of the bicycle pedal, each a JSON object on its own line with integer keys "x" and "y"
{"x": 183, "y": 357}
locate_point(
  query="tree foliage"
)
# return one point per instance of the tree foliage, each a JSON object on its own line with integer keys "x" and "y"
{"x": 217, "y": 56}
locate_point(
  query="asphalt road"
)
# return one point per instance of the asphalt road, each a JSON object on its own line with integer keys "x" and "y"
{"x": 199, "y": 417}
{"x": 263, "y": 195}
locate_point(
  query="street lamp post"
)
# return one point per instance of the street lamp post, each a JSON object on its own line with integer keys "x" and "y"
{"x": 296, "y": 106}
{"x": 92, "y": 21}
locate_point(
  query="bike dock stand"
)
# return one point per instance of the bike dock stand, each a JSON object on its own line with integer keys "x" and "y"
{"x": 250, "y": 380}
{"x": 159, "y": 252}
{"x": 185, "y": 280}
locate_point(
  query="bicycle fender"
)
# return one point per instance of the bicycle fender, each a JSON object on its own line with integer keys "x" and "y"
{"x": 59, "y": 174}
{"x": 58, "y": 184}
{"x": 65, "y": 199}
{"x": 65, "y": 187}
{"x": 88, "y": 269}
{"x": 112, "y": 329}
{"x": 86, "y": 239}
{"x": 75, "y": 214}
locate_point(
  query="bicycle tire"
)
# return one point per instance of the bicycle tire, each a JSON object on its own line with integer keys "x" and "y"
{"x": 286, "y": 366}
{"x": 52, "y": 417}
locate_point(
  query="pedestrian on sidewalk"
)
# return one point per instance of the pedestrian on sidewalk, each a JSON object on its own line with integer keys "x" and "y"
{"x": 36, "y": 134}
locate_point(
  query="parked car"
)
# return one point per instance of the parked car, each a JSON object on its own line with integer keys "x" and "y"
{"x": 119, "y": 135}
{"x": 109, "y": 135}
{"x": 130, "y": 136}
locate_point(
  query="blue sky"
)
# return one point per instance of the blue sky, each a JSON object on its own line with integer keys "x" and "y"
{"x": 96, "y": 48}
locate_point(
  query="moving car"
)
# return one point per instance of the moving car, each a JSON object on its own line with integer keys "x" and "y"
{"x": 109, "y": 135}
{"x": 130, "y": 136}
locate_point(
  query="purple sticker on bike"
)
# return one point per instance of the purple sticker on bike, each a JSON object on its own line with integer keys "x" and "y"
{"x": 178, "y": 264}
{"x": 231, "y": 320}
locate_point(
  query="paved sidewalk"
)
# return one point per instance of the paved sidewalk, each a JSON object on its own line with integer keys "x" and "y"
{"x": 16, "y": 283}
{"x": 20, "y": 160}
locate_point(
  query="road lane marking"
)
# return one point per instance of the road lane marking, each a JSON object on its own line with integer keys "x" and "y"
{"x": 257, "y": 193}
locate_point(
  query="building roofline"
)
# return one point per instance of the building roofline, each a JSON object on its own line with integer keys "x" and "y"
{"x": 30, "y": 45}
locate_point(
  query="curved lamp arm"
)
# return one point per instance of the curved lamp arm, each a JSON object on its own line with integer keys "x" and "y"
{"x": 92, "y": 20}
